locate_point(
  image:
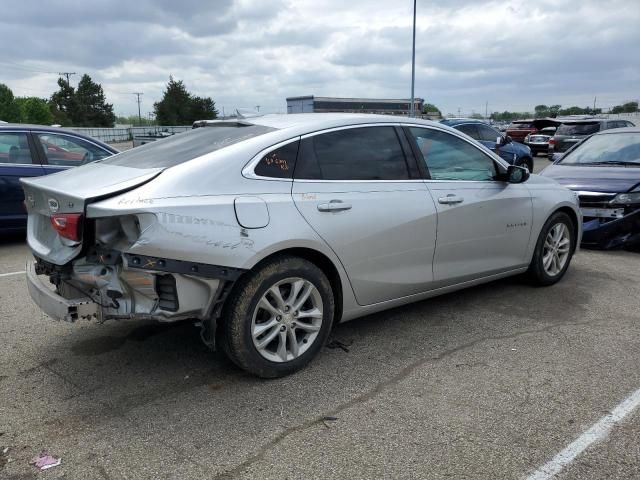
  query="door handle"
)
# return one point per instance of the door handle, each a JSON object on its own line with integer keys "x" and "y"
{"x": 334, "y": 206}
{"x": 450, "y": 199}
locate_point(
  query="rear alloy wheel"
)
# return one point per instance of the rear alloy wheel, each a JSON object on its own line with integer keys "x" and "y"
{"x": 554, "y": 250}
{"x": 278, "y": 317}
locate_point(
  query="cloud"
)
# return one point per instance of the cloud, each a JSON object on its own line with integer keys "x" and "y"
{"x": 513, "y": 54}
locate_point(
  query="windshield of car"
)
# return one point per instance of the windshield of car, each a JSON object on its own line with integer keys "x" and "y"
{"x": 610, "y": 149}
{"x": 582, "y": 128}
{"x": 521, "y": 126}
{"x": 185, "y": 146}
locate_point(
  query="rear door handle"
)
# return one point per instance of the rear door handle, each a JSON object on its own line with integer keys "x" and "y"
{"x": 450, "y": 199}
{"x": 334, "y": 206}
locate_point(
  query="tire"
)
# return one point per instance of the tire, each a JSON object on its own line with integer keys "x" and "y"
{"x": 246, "y": 321}
{"x": 528, "y": 162}
{"x": 538, "y": 273}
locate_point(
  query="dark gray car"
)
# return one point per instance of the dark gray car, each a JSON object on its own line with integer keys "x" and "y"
{"x": 572, "y": 132}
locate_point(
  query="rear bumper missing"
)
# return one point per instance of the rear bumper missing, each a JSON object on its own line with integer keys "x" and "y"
{"x": 57, "y": 307}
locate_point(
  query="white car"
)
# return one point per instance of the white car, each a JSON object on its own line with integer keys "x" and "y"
{"x": 270, "y": 230}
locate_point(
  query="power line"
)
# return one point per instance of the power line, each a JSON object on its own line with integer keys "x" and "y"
{"x": 67, "y": 74}
{"x": 137, "y": 94}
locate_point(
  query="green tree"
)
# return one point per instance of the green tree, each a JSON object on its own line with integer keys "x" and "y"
{"x": 9, "y": 109}
{"x": 431, "y": 108}
{"x": 179, "y": 107}
{"x": 133, "y": 120}
{"x": 63, "y": 104}
{"x": 203, "y": 109}
{"x": 541, "y": 111}
{"x": 628, "y": 107}
{"x": 34, "y": 110}
{"x": 91, "y": 108}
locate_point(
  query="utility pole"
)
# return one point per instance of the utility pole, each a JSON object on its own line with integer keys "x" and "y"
{"x": 258, "y": 108}
{"x": 66, "y": 74}
{"x": 594, "y": 105}
{"x": 137, "y": 94}
{"x": 458, "y": 112}
{"x": 486, "y": 109}
{"x": 413, "y": 63}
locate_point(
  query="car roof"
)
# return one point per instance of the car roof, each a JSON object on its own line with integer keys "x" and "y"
{"x": 452, "y": 122}
{"x": 619, "y": 130}
{"x": 46, "y": 129}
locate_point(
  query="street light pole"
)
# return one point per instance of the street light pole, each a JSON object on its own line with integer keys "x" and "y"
{"x": 413, "y": 62}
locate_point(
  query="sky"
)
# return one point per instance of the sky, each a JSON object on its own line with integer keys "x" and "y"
{"x": 471, "y": 55}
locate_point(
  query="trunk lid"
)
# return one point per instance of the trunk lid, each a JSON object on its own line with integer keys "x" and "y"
{"x": 71, "y": 191}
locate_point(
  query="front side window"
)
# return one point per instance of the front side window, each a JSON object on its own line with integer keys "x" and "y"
{"x": 366, "y": 153}
{"x": 487, "y": 134}
{"x": 66, "y": 150}
{"x": 279, "y": 163}
{"x": 448, "y": 157}
{"x": 14, "y": 148}
{"x": 470, "y": 130}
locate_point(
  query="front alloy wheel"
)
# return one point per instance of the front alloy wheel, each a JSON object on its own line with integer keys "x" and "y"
{"x": 553, "y": 251}
{"x": 557, "y": 246}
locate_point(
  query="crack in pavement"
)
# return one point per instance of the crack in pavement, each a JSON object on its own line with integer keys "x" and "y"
{"x": 375, "y": 391}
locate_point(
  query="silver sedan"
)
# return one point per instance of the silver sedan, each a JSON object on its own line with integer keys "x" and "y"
{"x": 270, "y": 230}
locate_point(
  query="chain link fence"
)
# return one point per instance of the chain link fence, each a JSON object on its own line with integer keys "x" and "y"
{"x": 112, "y": 135}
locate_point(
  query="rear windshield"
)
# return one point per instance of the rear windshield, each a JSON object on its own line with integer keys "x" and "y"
{"x": 521, "y": 126}
{"x": 578, "y": 128}
{"x": 186, "y": 146}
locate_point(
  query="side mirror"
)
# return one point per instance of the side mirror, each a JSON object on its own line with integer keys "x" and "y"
{"x": 507, "y": 139}
{"x": 517, "y": 174}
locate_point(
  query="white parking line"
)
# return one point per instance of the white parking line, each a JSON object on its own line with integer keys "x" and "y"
{"x": 12, "y": 273}
{"x": 595, "y": 434}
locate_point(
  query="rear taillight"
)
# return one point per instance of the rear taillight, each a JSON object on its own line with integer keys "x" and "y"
{"x": 552, "y": 141}
{"x": 68, "y": 225}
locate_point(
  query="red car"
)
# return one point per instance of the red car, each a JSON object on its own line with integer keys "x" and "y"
{"x": 519, "y": 129}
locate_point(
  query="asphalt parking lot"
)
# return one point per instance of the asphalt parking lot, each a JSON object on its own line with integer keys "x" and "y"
{"x": 491, "y": 382}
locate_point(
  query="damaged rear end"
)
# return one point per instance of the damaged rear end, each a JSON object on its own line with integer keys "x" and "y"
{"x": 102, "y": 251}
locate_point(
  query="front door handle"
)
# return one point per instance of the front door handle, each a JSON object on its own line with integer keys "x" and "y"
{"x": 450, "y": 199}
{"x": 334, "y": 206}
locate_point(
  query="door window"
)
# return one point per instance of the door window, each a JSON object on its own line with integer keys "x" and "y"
{"x": 66, "y": 150}
{"x": 450, "y": 158}
{"x": 487, "y": 134}
{"x": 14, "y": 148}
{"x": 367, "y": 153}
{"x": 470, "y": 130}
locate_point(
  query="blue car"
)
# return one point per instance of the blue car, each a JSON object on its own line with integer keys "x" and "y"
{"x": 513, "y": 152}
{"x": 32, "y": 151}
{"x": 604, "y": 171}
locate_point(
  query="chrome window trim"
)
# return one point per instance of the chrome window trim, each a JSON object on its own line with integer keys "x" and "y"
{"x": 35, "y": 165}
{"x": 248, "y": 170}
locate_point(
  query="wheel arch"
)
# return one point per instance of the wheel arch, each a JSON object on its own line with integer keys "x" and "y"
{"x": 324, "y": 263}
{"x": 574, "y": 219}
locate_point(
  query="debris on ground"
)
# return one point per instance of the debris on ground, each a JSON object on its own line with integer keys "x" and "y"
{"x": 326, "y": 419}
{"x": 339, "y": 344}
{"x": 45, "y": 461}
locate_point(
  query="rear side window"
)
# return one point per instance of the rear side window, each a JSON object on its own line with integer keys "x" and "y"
{"x": 521, "y": 126}
{"x": 487, "y": 134}
{"x": 14, "y": 148}
{"x": 367, "y": 153}
{"x": 186, "y": 146}
{"x": 278, "y": 163}
{"x": 578, "y": 128}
